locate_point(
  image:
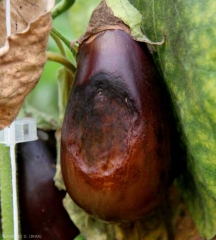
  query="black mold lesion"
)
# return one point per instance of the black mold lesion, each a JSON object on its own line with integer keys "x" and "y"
{"x": 102, "y": 115}
{"x": 106, "y": 84}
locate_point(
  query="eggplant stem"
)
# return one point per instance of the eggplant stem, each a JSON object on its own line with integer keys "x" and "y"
{"x": 58, "y": 43}
{"x": 64, "y": 39}
{"x": 51, "y": 56}
{"x": 61, "y": 7}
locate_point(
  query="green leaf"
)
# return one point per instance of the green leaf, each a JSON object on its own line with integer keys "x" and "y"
{"x": 79, "y": 237}
{"x": 131, "y": 17}
{"x": 188, "y": 63}
{"x": 89, "y": 227}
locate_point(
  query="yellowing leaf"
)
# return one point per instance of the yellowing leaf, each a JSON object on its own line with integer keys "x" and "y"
{"x": 22, "y": 54}
{"x": 169, "y": 220}
{"x": 188, "y": 63}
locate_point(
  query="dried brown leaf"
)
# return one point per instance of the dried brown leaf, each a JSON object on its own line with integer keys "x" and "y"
{"x": 22, "y": 54}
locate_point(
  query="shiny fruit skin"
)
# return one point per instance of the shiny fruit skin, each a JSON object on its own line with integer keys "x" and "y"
{"x": 42, "y": 214}
{"x": 116, "y": 135}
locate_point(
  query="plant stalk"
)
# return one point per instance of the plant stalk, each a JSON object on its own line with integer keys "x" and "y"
{"x": 64, "y": 39}
{"x": 61, "y": 7}
{"x": 51, "y": 56}
{"x": 6, "y": 192}
{"x": 58, "y": 43}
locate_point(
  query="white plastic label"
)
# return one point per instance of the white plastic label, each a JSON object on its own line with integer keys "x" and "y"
{"x": 22, "y": 130}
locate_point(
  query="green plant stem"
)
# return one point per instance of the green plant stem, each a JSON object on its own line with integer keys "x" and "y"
{"x": 6, "y": 191}
{"x": 59, "y": 43}
{"x": 61, "y": 7}
{"x": 62, "y": 60}
{"x": 65, "y": 82}
{"x": 64, "y": 39}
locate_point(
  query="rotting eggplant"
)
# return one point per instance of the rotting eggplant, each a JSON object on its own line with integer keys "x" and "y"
{"x": 42, "y": 214}
{"x": 117, "y": 139}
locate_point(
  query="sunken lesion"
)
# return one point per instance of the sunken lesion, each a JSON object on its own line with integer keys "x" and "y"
{"x": 103, "y": 118}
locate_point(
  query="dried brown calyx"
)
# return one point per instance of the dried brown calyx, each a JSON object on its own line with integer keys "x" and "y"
{"x": 103, "y": 19}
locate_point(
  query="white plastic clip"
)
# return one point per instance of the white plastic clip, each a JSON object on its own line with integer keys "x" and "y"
{"x": 22, "y": 130}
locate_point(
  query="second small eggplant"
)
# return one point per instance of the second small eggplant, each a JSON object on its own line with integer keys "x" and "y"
{"x": 42, "y": 214}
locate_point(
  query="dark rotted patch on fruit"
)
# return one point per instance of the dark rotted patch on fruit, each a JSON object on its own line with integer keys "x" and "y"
{"x": 105, "y": 121}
